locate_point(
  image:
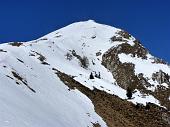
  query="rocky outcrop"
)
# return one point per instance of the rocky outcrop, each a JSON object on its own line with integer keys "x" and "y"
{"x": 162, "y": 92}
{"x": 124, "y": 73}
{"x": 161, "y": 77}
{"x": 117, "y": 112}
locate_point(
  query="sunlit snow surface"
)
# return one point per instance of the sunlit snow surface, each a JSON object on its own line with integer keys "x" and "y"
{"x": 53, "y": 105}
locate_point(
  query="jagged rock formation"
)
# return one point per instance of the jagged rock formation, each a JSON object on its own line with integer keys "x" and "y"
{"x": 124, "y": 73}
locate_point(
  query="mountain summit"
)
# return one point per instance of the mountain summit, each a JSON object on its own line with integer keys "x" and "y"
{"x": 83, "y": 75}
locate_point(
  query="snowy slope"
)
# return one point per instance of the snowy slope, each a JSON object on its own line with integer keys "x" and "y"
{"x": 40, "y": 99}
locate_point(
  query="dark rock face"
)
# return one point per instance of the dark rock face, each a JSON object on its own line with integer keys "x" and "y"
{"x": 161, "y": 77}
{"x": 124, "y": 70}
{"x": 124, "y": 73}
{"x": 124, "y": 34}
{"x": 162, "y": 92}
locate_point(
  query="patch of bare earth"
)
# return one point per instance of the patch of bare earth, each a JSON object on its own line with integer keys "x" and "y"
{"x": 1, "y": 50}
{"x": 41, "y": 58}
{"x": 17, "y": 44}
{"x": 20, "y": 79}
{"x": 117, "y": 112}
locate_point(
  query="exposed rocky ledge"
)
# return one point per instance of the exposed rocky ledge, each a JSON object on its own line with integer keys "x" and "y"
{"x": 125, "y": 76}
{"x": 117, "y": 112}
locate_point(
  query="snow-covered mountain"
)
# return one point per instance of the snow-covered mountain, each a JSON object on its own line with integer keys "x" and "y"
{"x": 46, "y": 82}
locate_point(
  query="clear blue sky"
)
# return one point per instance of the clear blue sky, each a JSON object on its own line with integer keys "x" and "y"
{"x": 147, "y": 20}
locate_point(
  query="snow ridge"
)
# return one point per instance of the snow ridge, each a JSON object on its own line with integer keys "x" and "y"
{"x": 52, "y": 104}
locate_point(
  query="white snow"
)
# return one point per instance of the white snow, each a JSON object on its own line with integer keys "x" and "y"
{"x": 165, "y": 85}
{"x": 144, "y": 66}
{"x": 53, "y": 104}
{"x": 143, "y": 99}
